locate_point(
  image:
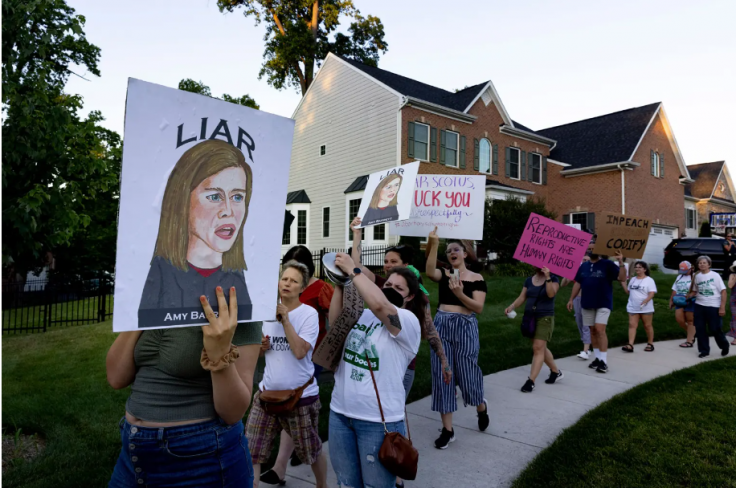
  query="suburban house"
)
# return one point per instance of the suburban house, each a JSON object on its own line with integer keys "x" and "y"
{"x": 356, "y": 119}
{"x": 712, "y": 192}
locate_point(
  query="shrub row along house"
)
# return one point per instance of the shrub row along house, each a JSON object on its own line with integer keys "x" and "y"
{"x": 356, "y": 119}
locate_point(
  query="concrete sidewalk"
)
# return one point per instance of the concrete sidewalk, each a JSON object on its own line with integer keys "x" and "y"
{"x": 522, "y": 424}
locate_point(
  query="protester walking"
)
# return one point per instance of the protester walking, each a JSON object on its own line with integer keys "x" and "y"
{"x": 462, "y": 294}
{"x": 710, "y": 305}
{"x": 684, "y": 306}
{"x": 373, "y": 361}
{"x": 732, "y": 286}
{"x": 289, "y": 377}
{"x": 183, "y": 421}
{"x": 595, "y": 279}
{"x": 578, "y": 308}
{"x": 539, "y": 293}
{"x": 641, "y": 290}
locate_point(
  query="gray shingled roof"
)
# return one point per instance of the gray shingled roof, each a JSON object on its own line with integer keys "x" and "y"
{"x": 705, "y": 176}
{"x": 609, "y": 138}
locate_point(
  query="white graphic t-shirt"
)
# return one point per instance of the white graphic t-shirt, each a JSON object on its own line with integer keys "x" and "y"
{"x": 709, "y": 286}
{"x": 283, "y": 370}
{"x": 353, "y": 395}
{"x": 682, "y": 285}
{"x": 639, "y": 290}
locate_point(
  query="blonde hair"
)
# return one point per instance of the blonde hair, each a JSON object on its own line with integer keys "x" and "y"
{"x": 377, "y": 193}
{"x": 302, "y": 268}
{"x": 196, "y": 165}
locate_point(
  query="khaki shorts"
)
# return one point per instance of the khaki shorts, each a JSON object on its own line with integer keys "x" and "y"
{"x": 592, "y": 316}
{"x": 545, "y": 327}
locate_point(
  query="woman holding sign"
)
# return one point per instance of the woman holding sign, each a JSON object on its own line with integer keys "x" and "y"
{"x": 462, "y": 295}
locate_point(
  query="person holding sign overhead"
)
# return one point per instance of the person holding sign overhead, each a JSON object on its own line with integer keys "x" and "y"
{"x": 595, "y": 279}
{"x": 462, "y": 294}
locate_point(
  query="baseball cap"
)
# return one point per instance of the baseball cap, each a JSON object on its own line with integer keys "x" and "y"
{"x": 685, "y": 267}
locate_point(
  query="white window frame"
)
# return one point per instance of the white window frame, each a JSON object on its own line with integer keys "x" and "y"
{"x": 656, "y": 165}
{"x": 348, "y": 233}
{"x": 306, "y": 226}
{"x": 540, "y": 168}
{"x": 490, "y": 156}
{"x": 329, "y": 222}
{"x": 695, "y": 218}
{"x": 319, "y": 151}
{"x": 429, "y": 141}
{"x": 294, "y": 228}
{"x": 519, "y": 163}
{"x": 457, "y": 149}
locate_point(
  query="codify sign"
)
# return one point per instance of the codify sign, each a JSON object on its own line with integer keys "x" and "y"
{"x": 555, "y": 245}
{"x": 623, "y": 233}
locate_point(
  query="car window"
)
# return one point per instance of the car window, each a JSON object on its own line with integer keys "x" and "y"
{"x": 711, "y": 246}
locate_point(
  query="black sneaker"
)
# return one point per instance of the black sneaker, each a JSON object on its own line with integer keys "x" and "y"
{"x": 444, "y": 439}
{"x": 528, "y": 386}
{"x": 724, "y": 351}
{"x": 602, "y": 368}
{"x": 554, "y": 377}
{"x": 483, "y": 419}
{"x": 703, "y": 355}
{"x": 596, "y": 362}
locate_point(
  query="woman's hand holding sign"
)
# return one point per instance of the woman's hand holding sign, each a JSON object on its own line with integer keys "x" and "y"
{"x": 218, "y": 335}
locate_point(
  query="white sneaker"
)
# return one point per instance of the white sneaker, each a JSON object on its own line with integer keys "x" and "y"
{"x": 584, "y": 355}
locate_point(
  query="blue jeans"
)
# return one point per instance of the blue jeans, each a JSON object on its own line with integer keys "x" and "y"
{"x": 354, "y": 446}
{"x": 707, "y": 318}
{"x": 206, "y": 454}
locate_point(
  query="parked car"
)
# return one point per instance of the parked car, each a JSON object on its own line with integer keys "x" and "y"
{"x": 689, "y": 248}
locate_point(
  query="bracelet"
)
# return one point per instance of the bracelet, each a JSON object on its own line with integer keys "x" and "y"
{"x": 232, "y": 355}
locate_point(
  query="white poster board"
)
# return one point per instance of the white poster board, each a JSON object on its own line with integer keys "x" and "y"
{"x": 454, "y": 204}
{"x": 201, "y": 205}
{"x": 387, "y": 196}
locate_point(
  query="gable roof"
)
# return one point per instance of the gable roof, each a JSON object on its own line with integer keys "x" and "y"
{"x": 298, "y": 196}
{"x": 705, "y": 176}
{"x": 605, "y": 139}
{"x": 357, "y": 185}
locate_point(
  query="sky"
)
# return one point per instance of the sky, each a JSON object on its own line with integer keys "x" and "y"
{"x": 551, "y": 62}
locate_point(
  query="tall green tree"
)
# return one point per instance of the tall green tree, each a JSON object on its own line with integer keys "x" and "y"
{"x": 300, "y": 33}
{"x": 55, "y": 163}
{"x": 190, "y": 85}
{"x": 504, "y": 224}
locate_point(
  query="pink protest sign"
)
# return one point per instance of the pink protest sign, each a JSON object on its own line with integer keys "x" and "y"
{"x": 557, "y": 246}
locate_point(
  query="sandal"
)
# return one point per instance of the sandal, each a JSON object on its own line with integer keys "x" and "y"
{"x": 650, "y": 347}
{"x": 628, "y": 348}
{"x": 689, "y": 344}
{"x": 271, "y": 478}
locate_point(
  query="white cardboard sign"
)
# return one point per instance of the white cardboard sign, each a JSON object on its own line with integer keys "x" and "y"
{"x": 201, "y": 205}
{"x": 454, "y": 204}
{"x": 387, "y": 195}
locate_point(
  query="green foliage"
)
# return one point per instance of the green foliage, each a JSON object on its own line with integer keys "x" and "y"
{"x": 654, "y": 267}
{"x": 190, "y": 85}
{"x": 57, "y": 167}
{"x": 705, "y": 229}
{"x": 517, "y": 269}
{"x": 504, "y": 224}
{"x": 298, "y": 36}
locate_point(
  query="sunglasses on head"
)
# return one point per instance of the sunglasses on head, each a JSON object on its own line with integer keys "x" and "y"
{"x": 396, "y": 248}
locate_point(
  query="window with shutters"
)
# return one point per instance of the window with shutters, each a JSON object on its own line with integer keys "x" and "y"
{"x": 301, "y": 227}
{"x": 326, "y": 222}
{"x": 514, "y": 158}
{"x": 690, "y": 218}
{"x": 379, "y": 232}
{"x": 484, "y": 156}
{"x": 655, "y": 164}
{"x": 353, "y": 207}
{"x": 421, "y": 141}
{"x": 536, "y": 168}
{"x": 580, "y": 218}
{"x": 451, "y": 149}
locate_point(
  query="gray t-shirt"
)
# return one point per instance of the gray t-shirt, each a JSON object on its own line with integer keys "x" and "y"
{"x": 545, "y": 305}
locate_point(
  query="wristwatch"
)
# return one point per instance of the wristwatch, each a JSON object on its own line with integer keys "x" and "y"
{"x": 548, "y": 280}
{"x": 356, "y": 272}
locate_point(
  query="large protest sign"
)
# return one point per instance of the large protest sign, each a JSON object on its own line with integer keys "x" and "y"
{"x": 387, "y": 196}
{"x": 201, "y": 205}
{"x": 622, "y": 233}
{"x": 454, "y": 204}
{"x": 559, "y": 247}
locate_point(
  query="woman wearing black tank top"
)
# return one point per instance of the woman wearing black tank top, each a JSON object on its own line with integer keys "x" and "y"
{"x": 462, "y": 294}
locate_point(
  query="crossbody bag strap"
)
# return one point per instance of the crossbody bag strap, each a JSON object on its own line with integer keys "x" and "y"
{"x": 378, "y": 397}
{"x": 406, "y": 418}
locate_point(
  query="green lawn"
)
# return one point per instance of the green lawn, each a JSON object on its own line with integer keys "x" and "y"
{"x": 54, "y": 383}
{"x": 674, "y": 431}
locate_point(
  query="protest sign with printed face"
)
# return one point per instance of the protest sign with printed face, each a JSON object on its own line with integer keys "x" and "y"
{"x": 454, "y": 204}
{"x": 387, "y": 196}
{"x": 559, "y": 247}
{"x": 622, "y": 233}
{"x": 201, "y": 205}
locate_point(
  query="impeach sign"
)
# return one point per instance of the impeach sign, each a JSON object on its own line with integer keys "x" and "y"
{"x": 622, "y": 233}
{"x": 555, "y": 245}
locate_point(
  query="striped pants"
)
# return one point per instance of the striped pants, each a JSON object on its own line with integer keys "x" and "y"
{"x": 459, "y": 335}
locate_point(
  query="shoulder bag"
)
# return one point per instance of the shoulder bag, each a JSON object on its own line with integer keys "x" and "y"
{"x": 277, "y": 402}
{"x": 397, "y": 454}
{"x": 529, "y": 321}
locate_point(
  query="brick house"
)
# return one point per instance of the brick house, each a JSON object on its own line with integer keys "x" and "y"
{"x": 712, "y": 192}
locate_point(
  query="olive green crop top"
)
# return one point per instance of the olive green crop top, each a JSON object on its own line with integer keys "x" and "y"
{"x": 170, "y": 384}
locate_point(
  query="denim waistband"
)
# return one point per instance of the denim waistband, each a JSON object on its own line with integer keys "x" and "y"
{"x": 161, "y": 433}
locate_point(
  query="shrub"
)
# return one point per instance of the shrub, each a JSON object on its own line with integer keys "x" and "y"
{"x": 504, "y": 224}
{"x": 654, "y": 267}
{"x": 705, "y": 229}
{"x": 515, "y": 269}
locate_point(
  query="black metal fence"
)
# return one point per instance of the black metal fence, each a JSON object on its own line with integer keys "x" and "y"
{"x": 371, "y": 257}
{"x": 37, "y": 305}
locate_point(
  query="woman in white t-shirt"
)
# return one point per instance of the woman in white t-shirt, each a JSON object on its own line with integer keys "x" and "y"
{"x": 641, "y": 292}
{"x": 288, "y": 346}
{"x": 710, "y": 306}
{"x": 386, "y": 339}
